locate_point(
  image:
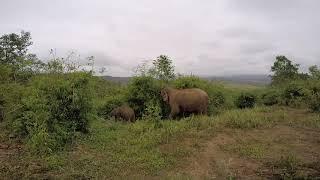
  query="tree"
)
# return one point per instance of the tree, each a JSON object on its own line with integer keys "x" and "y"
{"x": 284, "y": 70}
{"x": 14, "y": 46}
{"x": 314, "y": 72}
{"x": 162, "y": 68}
{"x": 14, "y": 54}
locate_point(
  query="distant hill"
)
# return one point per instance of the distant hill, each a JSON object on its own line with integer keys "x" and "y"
{"x": 122, "y": 80}
{"x": 259, "y": 79}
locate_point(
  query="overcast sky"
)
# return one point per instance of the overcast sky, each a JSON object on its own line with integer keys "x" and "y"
{"x": 203, "y": 37}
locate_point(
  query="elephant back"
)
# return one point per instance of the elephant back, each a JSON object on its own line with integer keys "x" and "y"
{"x": 190, "y": 97}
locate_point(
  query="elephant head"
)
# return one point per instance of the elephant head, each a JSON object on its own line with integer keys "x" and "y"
{"x": 165, "y": 94}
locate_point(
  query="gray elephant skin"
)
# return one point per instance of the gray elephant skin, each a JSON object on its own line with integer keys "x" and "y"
{"x": 193, "y": 100}
{"x": 123, "y": 112}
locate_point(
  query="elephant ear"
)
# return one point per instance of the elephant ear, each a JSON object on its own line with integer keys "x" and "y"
{"x": 165, "y": 95}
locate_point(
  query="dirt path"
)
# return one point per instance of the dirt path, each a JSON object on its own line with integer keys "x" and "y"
{"x": 214, "y": 162}
{"x": 7, "y": 154}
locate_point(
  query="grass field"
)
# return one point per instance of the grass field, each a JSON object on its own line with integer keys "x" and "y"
{"x": 256, "y": 143}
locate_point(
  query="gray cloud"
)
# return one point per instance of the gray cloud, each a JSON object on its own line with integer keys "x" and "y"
{"x": 208, "y": 37}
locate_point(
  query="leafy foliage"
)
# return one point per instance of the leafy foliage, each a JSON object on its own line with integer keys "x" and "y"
{"x": 283, "y": 70}
{"x": 153, "y": 112}
{"x": 14, "y": 54}
{"x": 110, "y": 103}
{"x": 314, "y": 72}
{"x": 271, "y": 97}
{"x": 295, "y": 94}
{"x": 141, "y": 91}
{"x": 162, "y": 68}
{"x": 246, "y": 100}
{"x": 53, "y": 112}
{"x": 314, "y": 95}
{"x": 184, "y": 82}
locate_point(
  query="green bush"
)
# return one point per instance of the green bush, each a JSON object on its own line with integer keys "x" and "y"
{"x": 153, "y": 112}
{"x": 215, "y": 92}
{"x": 314, "y": 96}
{"x": 5, "y": 73}
{"x": 141, "y": 91}
{"x": 1, "y": 108}
{"x": 271, "y": 97}
{"x": 217, "y": 100}
{"x": 11, "y": 103}
{"x": 295, "y": 94}
{"x": 110, "y": 103}
{"x": 185, "y": 82}
{"x": 314, "y": 102}
{"x": 55, "y": 108}
{"x": 245, "y": 100}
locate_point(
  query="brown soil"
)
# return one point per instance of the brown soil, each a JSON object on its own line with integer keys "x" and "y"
{"x": 214, "y": 162}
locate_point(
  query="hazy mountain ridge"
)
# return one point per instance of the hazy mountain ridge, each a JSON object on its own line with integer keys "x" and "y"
{"x": 259, "y": 79}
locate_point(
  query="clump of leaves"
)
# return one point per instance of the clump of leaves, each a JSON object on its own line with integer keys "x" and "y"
{"x": 245, "y": 100}
{"x": 271, "y": 97}
{"x": 53, "y": 112}
{"x": 110, "y": 103}
{"x": 295, "y": 94}
{"x": 314, "y": 96}
{"x": 141, "y": 91}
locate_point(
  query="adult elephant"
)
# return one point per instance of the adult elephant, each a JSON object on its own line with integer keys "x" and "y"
{"x": 192, "y": 100}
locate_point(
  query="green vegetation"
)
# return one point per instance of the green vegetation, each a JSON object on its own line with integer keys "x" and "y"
{"x": 245, "y": 100}
{"x": 59, "y": 115}
{"x": 52, "y": 113}
{"x": 271, "y": 97}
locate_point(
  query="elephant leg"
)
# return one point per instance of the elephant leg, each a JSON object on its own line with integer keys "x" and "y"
{"x": 201, "y": 112}
{"x": 205, "y": 111}
{"x": 174, "y": 112}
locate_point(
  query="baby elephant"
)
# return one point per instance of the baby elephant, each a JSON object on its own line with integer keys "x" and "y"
{"x": 123, "y": 112}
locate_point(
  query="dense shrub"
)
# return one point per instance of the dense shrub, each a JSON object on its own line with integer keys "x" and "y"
{"x": 104, "y": 88}
{"x": 1, "y": 108}
{"x": 5, "y": 73}
{"x": 271, "y": 97}
{"x": 107, "y": 95}
{"x": 184, "y": 82}
{"x": 153, "y": 112}
{"x": 110, "y": 103}
{"x": 215, "y": 91}
{"x": 10, "y": 96}
{"x": 314, "y": 96}
{"x": 314, "y": 102}
{"x": 217, "y": 100}
{"x": 55, "y": 108}
{"x": 245, "y": 100}
{"x": 141, "y": 92}
{"x": 295, "y": 94}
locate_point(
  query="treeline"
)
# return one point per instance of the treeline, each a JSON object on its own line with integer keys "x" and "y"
{"x": 48, "y": 104}
{"x": 291, "y": 87}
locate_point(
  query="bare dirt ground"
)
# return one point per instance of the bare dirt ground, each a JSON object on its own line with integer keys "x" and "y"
{"x": 273, "y": 153}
